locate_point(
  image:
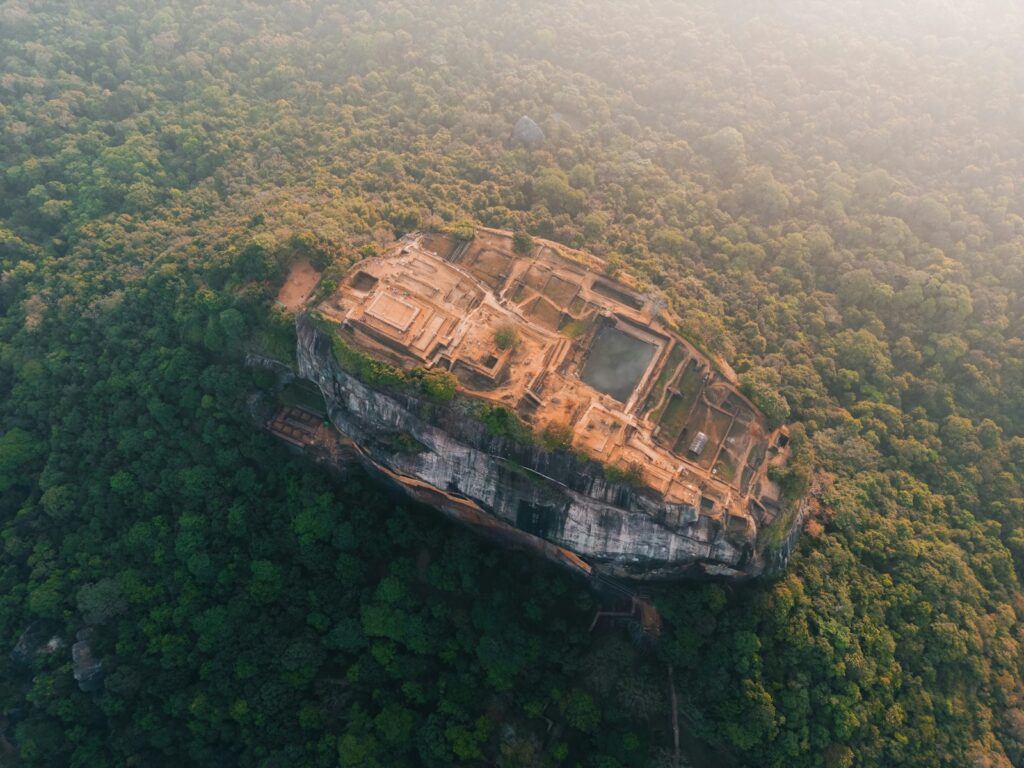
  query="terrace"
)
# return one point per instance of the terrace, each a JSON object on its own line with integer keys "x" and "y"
{"x": 589, "y": 354}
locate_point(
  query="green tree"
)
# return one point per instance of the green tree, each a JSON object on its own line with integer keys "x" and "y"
{"x": 522, "y": 243}
{"x": 18, "y": 449}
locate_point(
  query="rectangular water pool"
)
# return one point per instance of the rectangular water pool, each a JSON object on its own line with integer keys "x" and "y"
{"x": 616, "y": 362}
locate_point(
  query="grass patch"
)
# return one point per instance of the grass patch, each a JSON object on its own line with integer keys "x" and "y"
{"x": 689, "y": 384}
{"x": 726, "y": 468}
{"x": 674, "y": 417}
{"x": 675, "y": 357}
{"x": 576, "y": 328}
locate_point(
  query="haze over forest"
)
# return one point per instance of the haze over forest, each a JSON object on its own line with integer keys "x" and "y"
{"x": 830, "y": 196}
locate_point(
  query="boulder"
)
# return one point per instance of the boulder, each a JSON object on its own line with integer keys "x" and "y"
{"x": 39, "y": 639}
{"x": 88, "y": 670}
{"x": 527, "y": 133}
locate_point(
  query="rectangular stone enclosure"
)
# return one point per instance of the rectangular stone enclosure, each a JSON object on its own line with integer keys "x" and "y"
{"x": 393, "y": 311}
{"x": 616, "y": 362}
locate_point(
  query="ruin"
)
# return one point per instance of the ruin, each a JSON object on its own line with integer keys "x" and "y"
{"x": 575, "y": 355}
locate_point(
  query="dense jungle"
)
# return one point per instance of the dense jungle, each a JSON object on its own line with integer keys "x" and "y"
{"x": 829, "y": 195}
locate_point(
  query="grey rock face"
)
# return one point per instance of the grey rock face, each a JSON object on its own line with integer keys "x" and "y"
{"x": 284, "y": 374}
{"x": 88, "y": 670}
{"x": 546, "y": 500}
{"x": 527, "y": 133}
{"x": 38, "y": 639}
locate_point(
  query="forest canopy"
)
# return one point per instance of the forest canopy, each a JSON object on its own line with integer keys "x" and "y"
{"x": 828, "y": 194}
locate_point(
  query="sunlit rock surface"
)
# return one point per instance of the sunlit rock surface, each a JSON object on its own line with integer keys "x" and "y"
{"x": 663, "y": 470}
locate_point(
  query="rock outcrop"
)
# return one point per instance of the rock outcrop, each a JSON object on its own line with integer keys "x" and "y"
{"x": 527, "y": 133}
{"x": 86, "y": 668}
{"x": 40, "y": 638}
{"x": 551, "y": 501}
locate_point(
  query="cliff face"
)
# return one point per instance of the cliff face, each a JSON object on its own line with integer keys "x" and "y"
{"x": 550, "y": 501}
